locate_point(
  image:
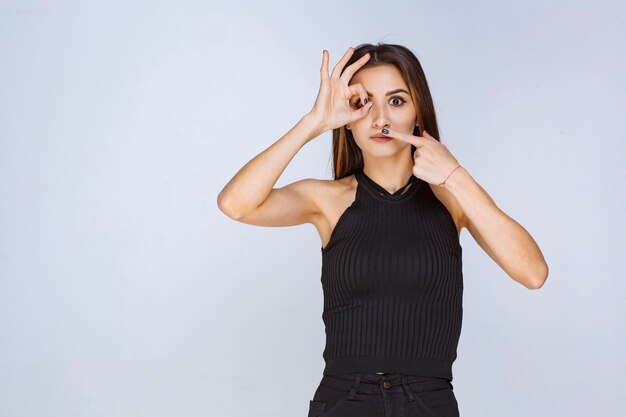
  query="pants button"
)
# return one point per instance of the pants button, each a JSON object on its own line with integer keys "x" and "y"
{"x": 386, "y": 384}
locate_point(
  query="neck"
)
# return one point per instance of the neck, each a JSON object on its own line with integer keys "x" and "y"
{"x": 391, "y": 175}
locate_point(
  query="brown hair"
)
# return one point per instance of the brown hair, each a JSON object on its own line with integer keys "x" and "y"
{"x": 347, "y": 156}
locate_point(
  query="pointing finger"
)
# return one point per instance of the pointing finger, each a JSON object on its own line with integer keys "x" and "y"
{"x": 405, "y": 137}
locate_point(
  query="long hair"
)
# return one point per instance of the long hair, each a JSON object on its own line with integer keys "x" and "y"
{"x": 347, "y": 156}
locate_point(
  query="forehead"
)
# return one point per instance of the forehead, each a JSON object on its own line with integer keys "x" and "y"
{"x": 379, "y": 79}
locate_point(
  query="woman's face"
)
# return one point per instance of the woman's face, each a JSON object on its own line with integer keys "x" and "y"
{"x": 394, "y": 110}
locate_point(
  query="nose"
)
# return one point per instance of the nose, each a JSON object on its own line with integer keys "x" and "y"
{"x": 379, "y": 118}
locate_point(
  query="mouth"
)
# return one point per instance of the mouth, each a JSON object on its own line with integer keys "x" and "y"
{"x": 380, "y": 138}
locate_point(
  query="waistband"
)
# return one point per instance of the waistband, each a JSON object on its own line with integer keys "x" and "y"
{"x": 373, "y": 383}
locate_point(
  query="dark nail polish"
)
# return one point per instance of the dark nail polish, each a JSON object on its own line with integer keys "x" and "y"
{"x": 385, "y": 131}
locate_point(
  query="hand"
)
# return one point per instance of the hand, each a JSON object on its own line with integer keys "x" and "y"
{"x": 332, "y": 106}
{"x": 432, "y": 161}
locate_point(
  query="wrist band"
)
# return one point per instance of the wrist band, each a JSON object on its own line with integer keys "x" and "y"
{"x": 444, "y": 181}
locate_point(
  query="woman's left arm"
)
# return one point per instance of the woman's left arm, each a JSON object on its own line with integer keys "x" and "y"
{"x": 504, "y": 240}
{"x": 501, "y": 237}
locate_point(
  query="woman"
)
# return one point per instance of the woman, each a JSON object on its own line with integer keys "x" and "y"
{"x": 389, "y": 224}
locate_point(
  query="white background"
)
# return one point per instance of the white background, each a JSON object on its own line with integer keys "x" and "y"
{"x": 124, "y": 291}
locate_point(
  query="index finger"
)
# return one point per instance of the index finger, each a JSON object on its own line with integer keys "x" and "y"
{"x": 405, "y": 137}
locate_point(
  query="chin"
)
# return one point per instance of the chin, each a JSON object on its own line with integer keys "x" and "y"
{"x": 383, "y": 149}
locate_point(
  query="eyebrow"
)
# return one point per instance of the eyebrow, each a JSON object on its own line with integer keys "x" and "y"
{"x": 397, "y": 90}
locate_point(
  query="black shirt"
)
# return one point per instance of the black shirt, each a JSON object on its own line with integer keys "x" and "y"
{"x": 393, "y": 283}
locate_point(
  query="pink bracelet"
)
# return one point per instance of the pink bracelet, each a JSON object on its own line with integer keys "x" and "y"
{"x": 444, "y": 181}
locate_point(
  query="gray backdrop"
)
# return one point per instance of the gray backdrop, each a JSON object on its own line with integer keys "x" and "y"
{"x": 124, "y": 291}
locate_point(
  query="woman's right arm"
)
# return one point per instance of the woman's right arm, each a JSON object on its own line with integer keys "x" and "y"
{"x": 249, "y": 196}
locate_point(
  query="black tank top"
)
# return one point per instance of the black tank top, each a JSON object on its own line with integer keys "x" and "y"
{"x": 393, "y": 283}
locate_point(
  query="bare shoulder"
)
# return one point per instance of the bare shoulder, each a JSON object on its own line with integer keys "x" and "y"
{"x": 332, "y": 193}
{"x": 453, "y": 206}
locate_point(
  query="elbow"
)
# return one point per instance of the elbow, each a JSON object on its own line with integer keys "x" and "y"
{"x": 539, "y": 279}
{"x": 226, "y": 207}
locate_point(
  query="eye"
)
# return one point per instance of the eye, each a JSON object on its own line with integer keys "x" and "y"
{"x": 402, "y": 101}
{"x": 358, "y": 103}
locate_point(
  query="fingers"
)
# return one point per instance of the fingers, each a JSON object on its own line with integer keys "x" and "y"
{"x": 354, "y": 67}
{"x": 339, "y": 66}
{"x": 363, "y": 110}
{"x": 349, "y": 72}
{"x": 358, "y": 113}
{"x": 407, "y": 137}
{"x": 358, "y": 89}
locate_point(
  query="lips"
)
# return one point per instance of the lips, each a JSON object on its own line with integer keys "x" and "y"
{"x": 380, "y": 135}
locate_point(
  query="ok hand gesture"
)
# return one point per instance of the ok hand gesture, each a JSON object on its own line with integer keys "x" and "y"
{"x": 332, "y": 106}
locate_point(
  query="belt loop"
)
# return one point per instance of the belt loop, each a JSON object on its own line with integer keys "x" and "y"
{"x": 407, "y": 389}
{"x": 355, "y": 385}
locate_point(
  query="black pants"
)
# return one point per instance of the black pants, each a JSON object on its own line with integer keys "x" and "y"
{"x": 386, "y": 395}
